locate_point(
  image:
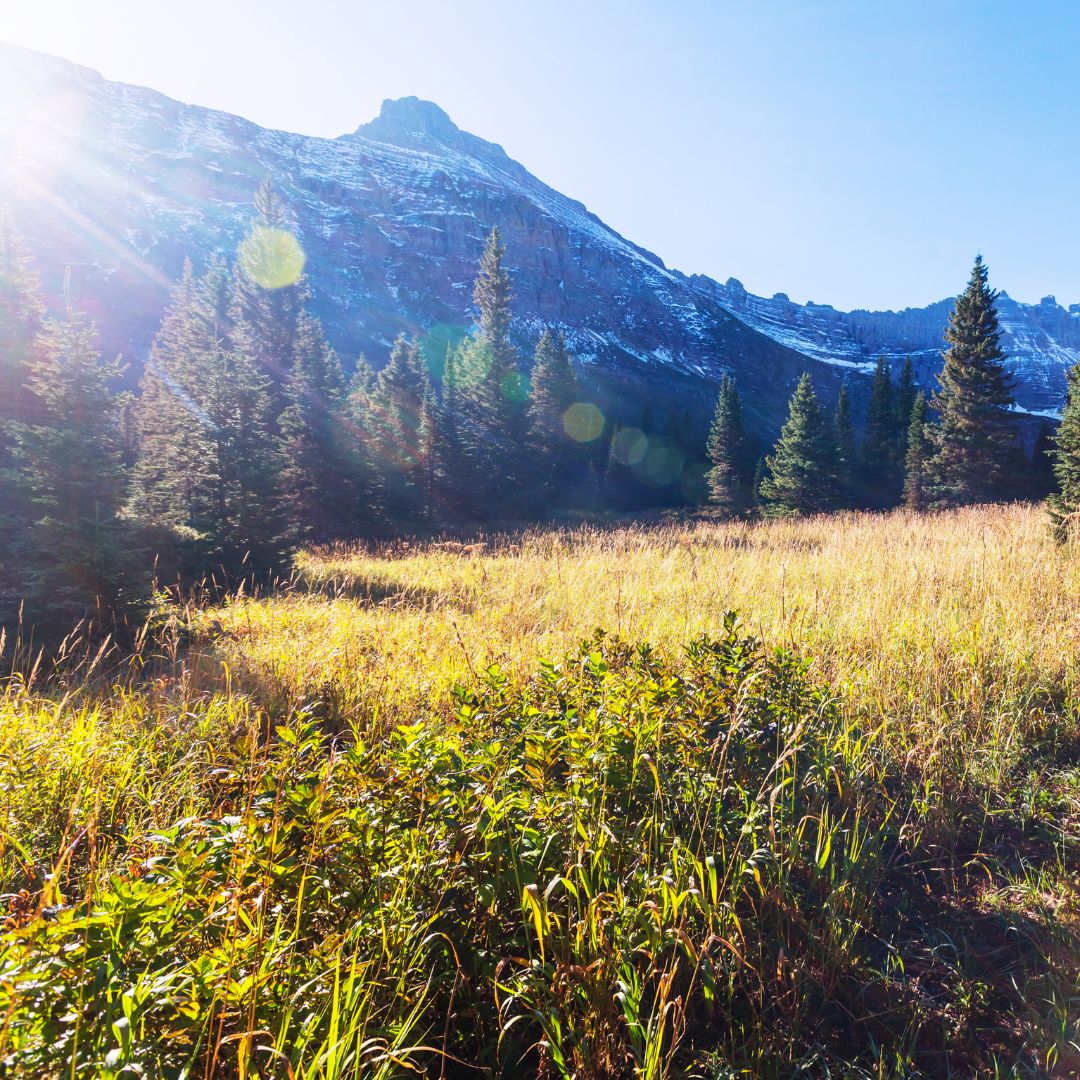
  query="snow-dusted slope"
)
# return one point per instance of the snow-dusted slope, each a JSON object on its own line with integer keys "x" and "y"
{"x": 121, "y": 183}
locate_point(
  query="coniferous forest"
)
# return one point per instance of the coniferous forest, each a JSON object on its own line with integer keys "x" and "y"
{"x": 249, "y": 439}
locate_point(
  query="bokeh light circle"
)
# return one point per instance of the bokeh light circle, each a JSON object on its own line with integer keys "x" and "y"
{"x": 272, "y": 258}
{"x": 583, "y": 421}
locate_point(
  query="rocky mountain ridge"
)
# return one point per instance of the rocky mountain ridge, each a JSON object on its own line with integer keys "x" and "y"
{"x": 120, "y": 183}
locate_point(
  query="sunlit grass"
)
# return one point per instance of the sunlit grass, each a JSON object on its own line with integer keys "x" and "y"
{"x": 277, "y": 840}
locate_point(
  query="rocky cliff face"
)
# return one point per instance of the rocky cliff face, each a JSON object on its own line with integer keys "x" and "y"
{"x": 120, "y": 184}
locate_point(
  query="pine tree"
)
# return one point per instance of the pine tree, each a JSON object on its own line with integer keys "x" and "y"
{"x": 489, "y": 393}
{"x": 801, "y": 475}
{"x": 205, "y": 480}
{"x": 975, "y": 452}
{"x": 726, "y": 449}
{"x": 878, "y": 459}
{"x": 401, "y": 434}
{"x": 70, "y": 556}
{"x": 557, "y": 464}
{"x": 174, "y": 459}
{"x": 846, "y": 455}
{"x": 322, "y": 495}
{"x": 761, "y": 470}
{"x": 906, "y": 393}
{"x": 269, "y": 292}
{"x": 918, "y": 452}
{"x": 1064, "y": 505}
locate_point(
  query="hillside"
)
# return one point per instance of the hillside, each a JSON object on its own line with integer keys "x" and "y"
{"x": 120, "y": 183}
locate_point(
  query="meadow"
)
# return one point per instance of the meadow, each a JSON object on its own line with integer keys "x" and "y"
{"x": 681, "y": 799}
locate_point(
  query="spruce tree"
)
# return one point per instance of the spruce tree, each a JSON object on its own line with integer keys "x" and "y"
{"x": 726, "y": 450}
{"x": 878, "y": 459}
{"x": 269, "y": 292}
{"x": 70, "y": 556}
{"x": 1064, "y": 505}
{"x": 489, "y": 394}
{"x": 975, "y": 450}
{"x": 801, "y": 477}
{"x": 761, "y": 470}
{"x": 322, "y": 498}
{"x": 205, "y": 489}
{"x": 846, "y": 455}
{"x": 557, "y": 462}
{"x": 918, "y": 452}
{"x": 906, "y": 393}
{"x": 401, "y": 434}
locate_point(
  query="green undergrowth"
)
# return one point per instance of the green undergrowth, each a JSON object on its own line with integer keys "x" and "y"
{"x": 623, "y": 865}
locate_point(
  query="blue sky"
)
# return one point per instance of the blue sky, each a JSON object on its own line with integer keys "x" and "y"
{"x": 852, "y": 153}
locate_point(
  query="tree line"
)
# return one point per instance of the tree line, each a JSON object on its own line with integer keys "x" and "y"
{"x": 959, "y": 446}
{"x": 246, "y": 439}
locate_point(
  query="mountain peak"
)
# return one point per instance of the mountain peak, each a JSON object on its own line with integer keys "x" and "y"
{"x": 410, "y": 118}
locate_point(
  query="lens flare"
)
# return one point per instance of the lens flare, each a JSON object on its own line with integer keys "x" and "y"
{"x": 272, "y": 258}
{"x": 662, "y": 465}
{"x": 583, "y": 421}
{"x": 629, "y": 446}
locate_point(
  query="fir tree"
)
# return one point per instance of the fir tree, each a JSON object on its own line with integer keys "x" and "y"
{"x": 269, "y": 292}
{"x": 1064, "y": 505}
{"x": 975, "y": 453}
{"x": 761, "y": 470}
{"x": 71, "y": 552}
{"x": 489, "y": 394}
{"x": 321, "y": 492}
{"x": 400, "y": 433}
{"x": 906, "y": 393}
{"x": 917, "y": 455}
{"x": 726, "y": 448}
{"x": 205, "y": 481}
{"x": 878, "y": 458}
{"x": 557, "y": 464}
{"x": 846, "y": 456}
{"x": 801, "y": 476}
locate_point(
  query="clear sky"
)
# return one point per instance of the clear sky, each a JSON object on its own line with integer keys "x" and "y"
{"x": 852, "y": 152}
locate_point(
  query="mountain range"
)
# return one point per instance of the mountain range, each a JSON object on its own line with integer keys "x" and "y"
{"x": 120, "y": 184}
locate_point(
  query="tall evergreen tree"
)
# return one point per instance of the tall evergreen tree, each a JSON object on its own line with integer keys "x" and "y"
{"x": 70, "y": 556}
{"x": 205, "y": 481}
{"x": 801, "y": 477}
{"x": 322, "y": 493}
{"x": 558, "y": 464}
{"x": 975, "y": 449}
{"x": 846, "y": 454}
{"x": 489, "y": 394}
{"x": 726, "y": 451}
{"x": 878, "y": 458}
{"x": 1064, "y": 505}
{"x": 269, "y": 292}
{"x": 906, "y": 393}
{"x": 918, "y": 453}
{"x": 401, "y": 436}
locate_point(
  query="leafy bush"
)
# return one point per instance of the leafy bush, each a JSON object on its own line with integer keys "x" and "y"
{"x": 624, "y": 866}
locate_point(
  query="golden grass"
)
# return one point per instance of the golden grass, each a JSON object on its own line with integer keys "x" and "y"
{"x": 964, "y": 624}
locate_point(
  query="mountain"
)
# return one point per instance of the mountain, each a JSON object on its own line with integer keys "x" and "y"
{"x": 120, "y": 183}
